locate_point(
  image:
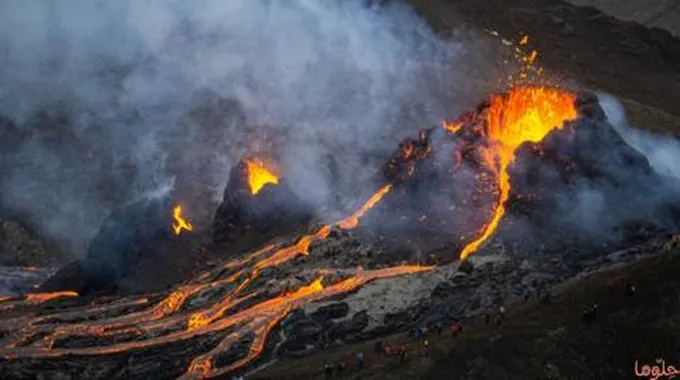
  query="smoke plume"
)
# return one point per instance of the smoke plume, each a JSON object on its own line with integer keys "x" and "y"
{"x": 662, "y": 151}
{"x": 622, "y": 184}
{"x": 104, "y": 102}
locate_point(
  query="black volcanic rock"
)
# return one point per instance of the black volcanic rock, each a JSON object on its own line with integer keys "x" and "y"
{"x": 332, "y": 311}
{"x": 581, "y": 187}
{"x": 344, "y": 329}
{"x": 19, "y": 246}
{"x": 416, "y": 215}
{"x": 588, "y": 148}
{"x": 127, "y": 241}
{"x": 128, "y": 234}
{"x": 586, "y": 186}
{"x": 74, "y": 276}
{"x": 245, "y": 217}
{"x": 466, "y": 267}
{"x": 401, "y": 166}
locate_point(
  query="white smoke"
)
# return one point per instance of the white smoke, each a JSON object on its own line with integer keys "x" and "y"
{"x": 662, "y": 151}
{"x": 111, "y": 100}
{"x": 597, "y": 208}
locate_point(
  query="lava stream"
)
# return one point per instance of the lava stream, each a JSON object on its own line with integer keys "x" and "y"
{"x": 265, "y": 316}
{"x": 353, "y": 220}
{"x": 524, "y": 114}
{"x": 34, "y": 298}
{"x": 177, "y": 317}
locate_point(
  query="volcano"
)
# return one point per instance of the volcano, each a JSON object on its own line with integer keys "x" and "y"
{"x": 589, "y": 165}
{"x": 536, "y": 154}
{"x": 522, "y": 159}
{"x": 128, "y": 243}
{"x": 257, "y": 204}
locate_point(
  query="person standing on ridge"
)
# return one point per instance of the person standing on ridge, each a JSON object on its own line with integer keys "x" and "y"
{"x": 328, "y": 369}
{"x": 501, "y": 314}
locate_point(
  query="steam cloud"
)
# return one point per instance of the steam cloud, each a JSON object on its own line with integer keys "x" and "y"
{"x": 104, "y": 102}
{"x": 662, "y": 151}
{"x": 599, "y": 208}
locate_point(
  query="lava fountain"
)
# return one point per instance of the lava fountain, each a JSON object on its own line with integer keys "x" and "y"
{"x": 524, "y": 114}
{"x": 259, "y": 175}
{"x": 180, "y": 223}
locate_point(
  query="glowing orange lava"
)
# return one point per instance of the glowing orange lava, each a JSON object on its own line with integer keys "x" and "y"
{"x": 259, "y": 176}
{"x": 36, "y": 298}
{"x": 353, "y": 220}
{"x": 189, "y": 310}
{"x": 524, "y": 114}
{"x": 452, "y": 127}
{"x": 263, "y": 317}
{"x": 234, "y": 301}
{"x": 180, "y": 223}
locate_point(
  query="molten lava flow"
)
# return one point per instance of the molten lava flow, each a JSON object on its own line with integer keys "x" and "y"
{"x": 524, "y": 114}
{"x": 234, "y": 301}
{"x": 315, "y": 286}
{"x": 210, "y": 304}
{"x": 452, "y": 127}
{"x": 180, "y": 223}
{"x": 299, "y": 248}
{"x": 263, "y": 317}
{"x": 302, "y": 245}
{"x": 173, "y": 302}
{"x": 37, "y": 298}
{"x": 352, "y": 221}
{"x": 185, "y": 313}
{"x": 259, "y": 175}
{"x": 206, "y": 317}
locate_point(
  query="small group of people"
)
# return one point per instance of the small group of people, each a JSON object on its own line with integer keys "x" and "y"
{"x": 343, "y": 364}
{"x": 391, "y": 350}
{"x": 540, "y": 289}
{"x": 421, "y": 333}
{"x": 456, "y": 329}
{"x": 590, "y": 313}
{"x": 498, "y": 318}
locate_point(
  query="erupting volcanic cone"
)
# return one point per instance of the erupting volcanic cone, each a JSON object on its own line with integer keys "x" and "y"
{"x": 257, "y": 203}
{"x": 232, "y": 310}
{"x": 139, "y": 235}
{"x": 259, "y": 175}
{"x": 532, "y": 154}
{"x": 523, "y": 115}
{"x": 585, "y": 165}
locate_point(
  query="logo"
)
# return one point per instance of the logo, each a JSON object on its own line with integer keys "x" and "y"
{"x": 656, "y": 372}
